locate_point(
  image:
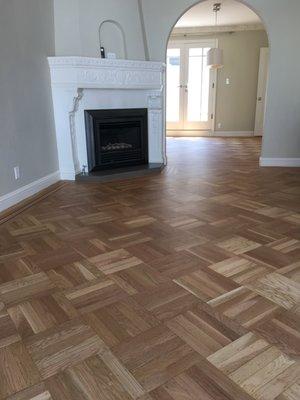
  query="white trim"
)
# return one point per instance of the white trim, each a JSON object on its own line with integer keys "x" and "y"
{"x": 187, "y": 133}
{"x": 201, "y": 133}
{"x": 280, "y": 162}
{"x": 13, "y": 198}
{"x": 233, "y": 133}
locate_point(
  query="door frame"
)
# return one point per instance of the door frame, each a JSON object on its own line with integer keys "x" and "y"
{"x": 207, "y": 42}
{"x": 263, "y": 74}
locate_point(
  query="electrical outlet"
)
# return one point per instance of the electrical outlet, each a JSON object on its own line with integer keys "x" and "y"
{"x": 219, "y": 125}
{"x": 17, "y": 172}
{"x": 227, "y": 81}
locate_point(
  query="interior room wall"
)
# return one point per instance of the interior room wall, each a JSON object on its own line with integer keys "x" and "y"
{"x": 281, "y": 19}
{"x": 27, "y": 132}
{"x": 77, "y": 27}
{"x": 236, "y": 102}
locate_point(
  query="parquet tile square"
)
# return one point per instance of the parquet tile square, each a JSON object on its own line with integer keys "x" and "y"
{"x": 155, "y": 356}
{"x": 238, "y": 245}
{"x": 138, "y": 279}
{"x": 17, "y": 370}
{"x": 72, "y": 275}
{"x": 278, "y": 289}
{"x": 90, "y": 380}
{"x": 37, "y": 392}
{"x": 31, "y": 286}
{"x": 283, "y": 331}
{"x": 292, "y": 393}
{"x": 115, "y": 261}
{"x": 178, "y": 242}
{"x": 270, "y": 257}
{"x": 148, "y": 252}
{"x": 210, "y": 253}
{"x": 91, "y": 247}
{"x": 287, "y": 246}
{"x": 8, "y": 332}
{"x": 260, "y": 369}
{"x": 120, "y": 321}
{"x": 16, "y": 268}
{"x": 185, "y": 387}
{"x": 94, "y": 295}
{"x": 59, "y": 348}
{"x": 244, "y": 307}
{"x": 38, "y": 315}
{"x": 183, "y": 285}
{"x": 206, "y": 284}
{"x": 294, "y": 218}
{"x": 241, "y": 270}
{"x": 201, "y": 331}
{"x": 55, "y": 258}
{"x": 176, "y": 265}
{"x": 291, "y": 271}
{"x": 167, "y": 301}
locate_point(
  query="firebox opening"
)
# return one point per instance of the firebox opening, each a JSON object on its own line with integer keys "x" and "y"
{"x": 116, "y": 138}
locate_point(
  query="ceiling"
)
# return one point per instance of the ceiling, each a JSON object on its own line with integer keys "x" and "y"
{"x": 232, "y": 13}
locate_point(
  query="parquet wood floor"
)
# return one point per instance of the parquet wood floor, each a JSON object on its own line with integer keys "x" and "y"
{"x": 179, "y": 286}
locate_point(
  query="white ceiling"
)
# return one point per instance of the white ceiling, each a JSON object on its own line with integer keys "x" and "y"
{"x": 232, "y": 13}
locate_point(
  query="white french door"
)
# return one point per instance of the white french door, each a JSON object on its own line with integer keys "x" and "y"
{"x": 190, "y": 86}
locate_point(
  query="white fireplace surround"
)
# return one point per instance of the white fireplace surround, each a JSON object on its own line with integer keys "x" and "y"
{"x": 81, "y": 83}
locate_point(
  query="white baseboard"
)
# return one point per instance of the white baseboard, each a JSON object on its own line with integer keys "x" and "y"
{"x": 233, "y": 133}
{"x": 171, "y": 133}
{"x": 182, "y": 133}
{"x": 13, "y": 198}
{"x": 280, "y": 162}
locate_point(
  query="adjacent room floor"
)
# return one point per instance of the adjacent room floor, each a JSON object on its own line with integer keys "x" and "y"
{"x": 179, "y": 286}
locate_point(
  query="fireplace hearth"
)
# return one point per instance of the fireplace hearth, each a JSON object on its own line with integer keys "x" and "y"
{"x": 116, "y": 138}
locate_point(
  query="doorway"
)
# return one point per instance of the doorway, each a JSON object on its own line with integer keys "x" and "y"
{"x": 263, "y": 76}
{"x": 190, "y": 86}
{"x": 225, "y": 100}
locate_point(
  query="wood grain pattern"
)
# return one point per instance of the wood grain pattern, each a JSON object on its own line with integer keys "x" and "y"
{"x": 179, "y": 286}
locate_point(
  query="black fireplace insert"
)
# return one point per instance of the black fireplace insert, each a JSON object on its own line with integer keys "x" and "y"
{"x": 116, "y": 138}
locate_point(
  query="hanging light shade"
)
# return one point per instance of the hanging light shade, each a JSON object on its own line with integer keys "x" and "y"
{"x": 215, "y": 58}
{"x": 215, "y": 55}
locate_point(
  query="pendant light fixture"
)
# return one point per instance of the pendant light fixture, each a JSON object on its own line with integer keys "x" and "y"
{"x": 215, "y": 55}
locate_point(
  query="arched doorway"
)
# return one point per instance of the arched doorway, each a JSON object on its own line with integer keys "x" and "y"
{"x": 226, "y": 102}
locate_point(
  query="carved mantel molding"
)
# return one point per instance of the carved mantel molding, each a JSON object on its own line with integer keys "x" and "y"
{"x": 99, "y": 73}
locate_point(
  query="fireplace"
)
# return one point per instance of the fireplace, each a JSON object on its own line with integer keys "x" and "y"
{"x": 116, "y": 138}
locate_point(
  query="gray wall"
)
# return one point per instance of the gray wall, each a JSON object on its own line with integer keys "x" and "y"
{"x": 236, "y": 103}
{"x": 77, "y": 27}
{"x": 281, "y": 18}
{"x": 27, "y": 134}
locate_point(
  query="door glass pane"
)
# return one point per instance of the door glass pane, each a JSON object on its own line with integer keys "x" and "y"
{"x": 198, "y": 85}
{"x": 173, "y": 82}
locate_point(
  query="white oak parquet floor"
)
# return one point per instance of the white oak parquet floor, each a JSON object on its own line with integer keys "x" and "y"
{"x": 179, "y": 286}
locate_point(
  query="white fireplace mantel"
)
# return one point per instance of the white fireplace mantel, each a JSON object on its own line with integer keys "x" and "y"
{"x": 81, "y": 83}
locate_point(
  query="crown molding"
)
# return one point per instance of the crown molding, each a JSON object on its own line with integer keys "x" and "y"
{"x": 203, "y": 30}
